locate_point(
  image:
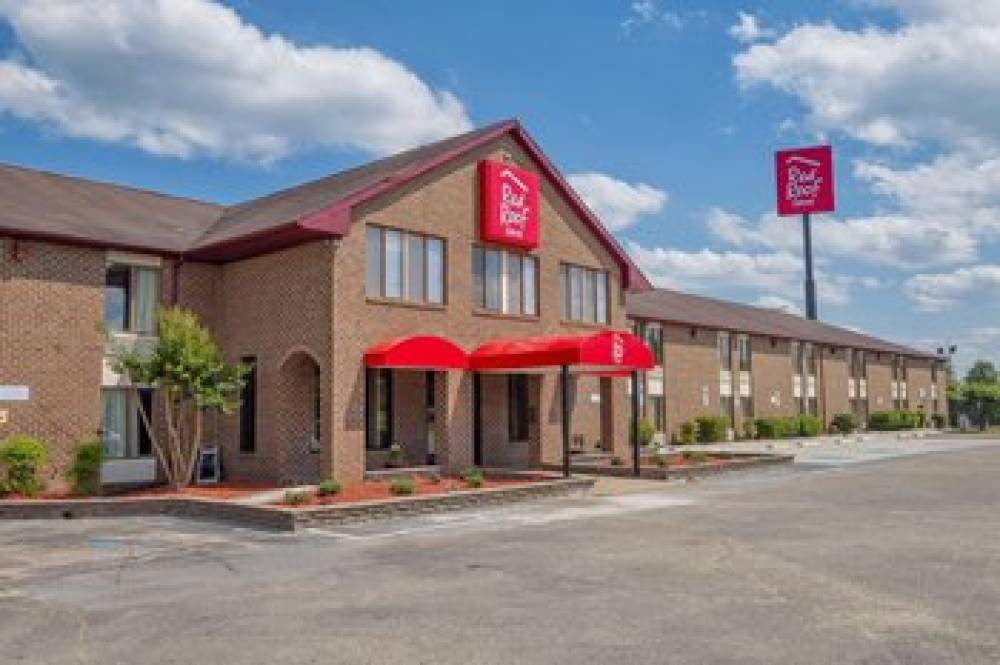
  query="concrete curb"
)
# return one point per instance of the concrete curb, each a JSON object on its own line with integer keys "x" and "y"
{"x": 284, "y": 518}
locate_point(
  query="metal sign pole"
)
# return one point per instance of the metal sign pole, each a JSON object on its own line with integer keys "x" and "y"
{"x": 807, "y": 250}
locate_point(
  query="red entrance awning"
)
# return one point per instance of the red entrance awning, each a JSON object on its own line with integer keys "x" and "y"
{"x": 417, "y": 352}
{"x": 609, "y": 350}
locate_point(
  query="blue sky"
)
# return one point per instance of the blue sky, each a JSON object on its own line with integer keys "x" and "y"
{"x": 665, "y": 115}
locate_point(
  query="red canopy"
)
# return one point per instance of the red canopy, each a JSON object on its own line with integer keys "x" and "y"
{"x": 417, "y": 352}
{"x": 607, "y": 350}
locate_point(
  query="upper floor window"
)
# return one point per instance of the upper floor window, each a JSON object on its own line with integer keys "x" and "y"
{"x": 934, "y": 371}
{"x": 743, "y": 352}
{"x": 131, "y": 295}
{"x": 583, "y": 294}
{"x": 857, "y": 364}
{"x": 504, "y": 281}
{"x": 404, "y": 266}
{"x": 725, "y": 352}
{"x": 653, "y": 336}
{"x": 899, "y": 368}
{"x": 809, "y": 359}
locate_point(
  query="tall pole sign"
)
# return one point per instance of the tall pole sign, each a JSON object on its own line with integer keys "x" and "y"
{"x": 805, "y": 186}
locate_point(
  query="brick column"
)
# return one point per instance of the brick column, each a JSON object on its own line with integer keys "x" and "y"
{"x": 455, "y": 416}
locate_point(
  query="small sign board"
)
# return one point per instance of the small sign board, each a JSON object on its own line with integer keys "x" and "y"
{"x": 508, "y": 206}
{"x": 805, "y": 180}
{"x": 14, "y": 393}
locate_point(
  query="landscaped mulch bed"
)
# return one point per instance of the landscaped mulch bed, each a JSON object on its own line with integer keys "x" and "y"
{"x": 220, "y": 491}
{"x": 373, "y": 490}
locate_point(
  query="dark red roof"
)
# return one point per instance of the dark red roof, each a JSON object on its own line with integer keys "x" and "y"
{"x": 700, "y": 311}
{"x": 69, "y": 208}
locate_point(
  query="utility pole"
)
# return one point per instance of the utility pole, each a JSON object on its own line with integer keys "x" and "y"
{"x": 807, "y": 251}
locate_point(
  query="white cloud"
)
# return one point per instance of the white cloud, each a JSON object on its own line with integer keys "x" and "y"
{"x": 189, "y": 77}
{"x": 778, "y": 303}
{"x": 748, "y": 29}
{"x": 646, "y": 12}
{"x": 778, "y": 272}
{"x": 934, "y": 77}
{"x": 934, "y": 292}
{"x": 617, "y": 203}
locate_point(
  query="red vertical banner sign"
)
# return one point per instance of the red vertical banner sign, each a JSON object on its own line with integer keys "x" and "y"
{"x": 508, "y": 206}
{"x": 805, "y": 180}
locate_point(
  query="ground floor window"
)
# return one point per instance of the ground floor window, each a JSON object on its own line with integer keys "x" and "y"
{"x": 726, "y": 406}
{"x": 248, "y": 407}
{"x": 123, "y": 433}
{"x": 746, "y": 406}
{"x": 378, "y": 408}
{"x": 517, "y": 407}
{"x": 656, "y": 406}
{"x": 317, "y": 410}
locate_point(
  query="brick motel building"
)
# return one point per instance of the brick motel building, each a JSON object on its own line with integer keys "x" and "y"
{"x": 458, "y": 298}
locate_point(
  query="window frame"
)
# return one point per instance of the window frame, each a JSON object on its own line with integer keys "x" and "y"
{"x": 132, "y": 325}
{"x": 480, "y": 291}
{"x": 574, "y": 277}
{"x": 406, "y": 239}
{"x": 137, "y": 437}
{"x": 247, "y": 429}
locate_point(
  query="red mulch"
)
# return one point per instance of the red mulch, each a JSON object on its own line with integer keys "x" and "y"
{"x": 220, "y": 491}
{"x": 369, "y": 490}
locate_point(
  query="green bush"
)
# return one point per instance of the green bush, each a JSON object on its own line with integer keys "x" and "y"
{"x": 473, "y": 477}
{"x": 22, "y": 458}
{"x": 845, "y": 423}
{"x": 396, "y": 457}
{"x": 696, "y": 456}
{"x": 769, "y": 428}
{"x": 687, "y": 433}
{"x": 296, "y": 497}
{"x": 712, "y": 429}
{"x": 749, "y": 428}
{"x": 85, "y": 471}
{"x": 617, "y": 461}
{"x": 888, "y": 421}
{"x": 939, "y": 420}
{"x": 328, "y": 487}
{"x": 401, "y": 485}
{"x": 809, "y": 426}
{"x": 646, "y": 432}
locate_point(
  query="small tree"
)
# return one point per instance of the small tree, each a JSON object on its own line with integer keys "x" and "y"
{"x": 191, "y": 377}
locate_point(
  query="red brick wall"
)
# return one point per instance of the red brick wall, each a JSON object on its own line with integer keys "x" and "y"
{"x": 51, "y": 311}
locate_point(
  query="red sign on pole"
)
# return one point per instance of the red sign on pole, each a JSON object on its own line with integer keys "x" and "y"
{"x": 805, "y": 180}
{"x": 508, "y": 205}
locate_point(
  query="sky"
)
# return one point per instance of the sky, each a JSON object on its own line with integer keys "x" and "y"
{"x": 663, "y": 114}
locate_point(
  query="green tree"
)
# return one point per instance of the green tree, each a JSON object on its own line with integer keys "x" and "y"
{"x": 191, "y": 377}
{"x": 983, "y": 372}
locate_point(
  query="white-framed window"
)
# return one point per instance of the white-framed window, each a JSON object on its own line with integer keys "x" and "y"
{"x": 123, "y": 434}
{"x": 131, "y": 296}
{"x": 504, "y": 282}
{"x": 583, "y": 294}
{"x": 404, "y": 266}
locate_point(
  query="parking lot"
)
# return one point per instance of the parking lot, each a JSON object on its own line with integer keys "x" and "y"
{"x": 892, "y": 560}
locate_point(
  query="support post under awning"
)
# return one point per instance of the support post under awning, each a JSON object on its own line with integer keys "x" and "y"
{"x": 635, "y": 423}
{"x": 564, "y": 395}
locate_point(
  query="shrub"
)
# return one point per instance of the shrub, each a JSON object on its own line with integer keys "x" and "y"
{"x": 23, "y": 458}
{"x": 939, "y": 420}
{"x": 769, "y": 428}
{"x": 749, "y": 428}
{"x": 687, "y": 433}
{"x": 473, "y": 477}
{"x": 616, "y": 460}
{"x": 887, "y": 421}
{"x": 712, "y": 428}
{"x": 396, "y": 456}
{"x": 328, "y": 487}
{"x": 85, "y": 471}
{"x": 296, "y": 497}
{"x": 401, "y": 485}
{"x": 435, "y": 478}
{"x": 809, "y": 425}
{"x": 646, "y": 432}
{"x": 696, "y": 456}
{"x": 845, "y": 423}
{"x": 660, "y": 460}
